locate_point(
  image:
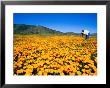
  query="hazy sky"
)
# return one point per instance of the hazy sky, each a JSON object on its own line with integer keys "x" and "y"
{"x": 64, "y": 22}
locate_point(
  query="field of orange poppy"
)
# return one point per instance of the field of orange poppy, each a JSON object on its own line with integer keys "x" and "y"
{"x": 54, "y": 55}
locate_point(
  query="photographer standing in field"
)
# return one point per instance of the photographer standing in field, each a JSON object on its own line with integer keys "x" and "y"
{"x": 86, "y": 33}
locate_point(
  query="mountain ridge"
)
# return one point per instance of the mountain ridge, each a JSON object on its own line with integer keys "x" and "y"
{"x": 41, "y": 30}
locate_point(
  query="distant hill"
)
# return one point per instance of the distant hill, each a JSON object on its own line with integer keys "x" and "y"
{"x": 94, "y": 34}
{"x": 41, "y": 30}
{"x": 31, "y": 29}
{"x": 71, "y": 33}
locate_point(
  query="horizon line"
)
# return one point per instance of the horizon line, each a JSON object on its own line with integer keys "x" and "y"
{"x": 47, "y": 27}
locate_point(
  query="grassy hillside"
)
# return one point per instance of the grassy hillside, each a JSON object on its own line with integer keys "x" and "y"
{"x": 31, "y": 29}
{"x": 41, "y": 30}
